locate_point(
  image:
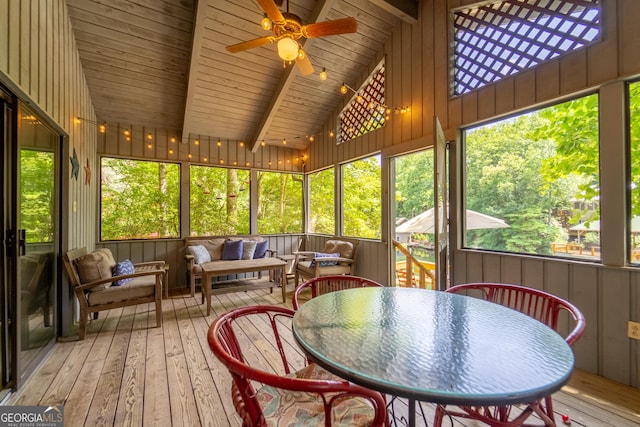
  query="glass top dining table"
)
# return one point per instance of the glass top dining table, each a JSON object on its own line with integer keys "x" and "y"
{"x": 433, "y": 346}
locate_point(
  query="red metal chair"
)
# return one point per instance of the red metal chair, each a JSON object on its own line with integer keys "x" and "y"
{"x": 268, "y": 391}
{"x": 325, "y": 284}
{"x": 540, "y": 305}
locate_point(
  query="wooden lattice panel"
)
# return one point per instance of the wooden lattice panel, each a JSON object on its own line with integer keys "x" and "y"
{"x": 366, "y": 111}
{"x": 505, "y": 37}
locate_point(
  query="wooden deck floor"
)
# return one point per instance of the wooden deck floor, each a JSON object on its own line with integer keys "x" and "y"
{"x": 128, "y": 374}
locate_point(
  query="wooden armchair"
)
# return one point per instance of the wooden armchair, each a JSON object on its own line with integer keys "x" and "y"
{"x": 337, "y": 257}
{"x": 97, "y": 289}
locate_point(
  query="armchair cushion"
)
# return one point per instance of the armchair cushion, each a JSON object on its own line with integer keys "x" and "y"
{"x": 344, "y": 248}
{"x": 122, "y": 268}
{"x": 289, "y": 407}
{"x": 94, "y": 266}
{"x": 200, "y": 254}
{"x": 232, "y": 249}
{"x": 261, "y": 249}
{"x": 324, "y": 263}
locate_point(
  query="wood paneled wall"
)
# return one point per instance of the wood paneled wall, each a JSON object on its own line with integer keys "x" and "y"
{"x": 39, "y": 62}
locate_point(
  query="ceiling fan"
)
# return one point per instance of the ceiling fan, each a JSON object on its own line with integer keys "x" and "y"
{"x": 288, "y": 28}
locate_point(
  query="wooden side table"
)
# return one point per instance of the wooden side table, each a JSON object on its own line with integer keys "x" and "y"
{"x": 165, "y": 281}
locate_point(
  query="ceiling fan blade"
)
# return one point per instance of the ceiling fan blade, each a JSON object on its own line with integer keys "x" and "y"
{"x": 250, "y": 44}
{"x": 330, "y": 28}
{"x": 271, "y": 10}
{"x": 304, "y": 65}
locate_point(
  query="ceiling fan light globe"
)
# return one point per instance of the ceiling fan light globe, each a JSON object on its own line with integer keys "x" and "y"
{"x": 288, "y": 49}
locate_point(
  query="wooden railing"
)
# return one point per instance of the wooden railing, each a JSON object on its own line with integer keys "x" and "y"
{"x": 413, "y": 273}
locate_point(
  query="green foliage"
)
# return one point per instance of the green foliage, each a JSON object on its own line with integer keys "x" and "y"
{"x": 414, "y": 183}
{"x": 140, "y": 199}
{"x": 321, "y": 202}
{"x": 634, "y": 120}
{"x": 37, "y": 193}
{"x": 362, "y": 198}
{"x": 279, "y": 203}
{"x": 219, "y": 201}
{"x": 527, "y": 168}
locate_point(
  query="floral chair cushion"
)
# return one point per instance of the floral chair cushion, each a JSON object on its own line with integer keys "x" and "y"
{"x": 287, "y": 407}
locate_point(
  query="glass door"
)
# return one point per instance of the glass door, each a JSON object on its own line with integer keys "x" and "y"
{"x": 36, "y": 236}
{"x": 6, "y": 132}
{"x": 28, "y": 271}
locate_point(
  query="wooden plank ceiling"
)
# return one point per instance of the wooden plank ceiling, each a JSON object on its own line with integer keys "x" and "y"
{"x": 163, "y": 64}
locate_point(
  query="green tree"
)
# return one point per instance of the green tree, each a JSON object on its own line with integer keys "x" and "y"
{"x": 527, "y": 169}
{"x": 322, "y": 202}
{"x": 279, "y": 203}
{"x": 634, "y": 121}
{"x": 219, "y": 201}
{"x": 362, "y": 198}
{"x": 140, "y": 199}
{"x": 37, "y": 195}
{"x": 414, "y": 183}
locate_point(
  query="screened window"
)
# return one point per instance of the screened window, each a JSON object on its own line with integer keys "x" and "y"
{"x": 367, "y": 110}
{"x": 502, "y": 38}
{"x": 140, "y": 199}
{"x": 538, "y": 173}
{"x": 634, "y": 132}
{"x": 362, "y": 198}
{"x": 322, "y": 210}
{"x": 279, "y": 203}
{"x": 219, "y": 201}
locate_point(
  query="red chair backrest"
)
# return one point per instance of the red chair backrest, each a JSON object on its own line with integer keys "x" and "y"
{"x": 325, "y": 284}
{"x": 540, "y": 305}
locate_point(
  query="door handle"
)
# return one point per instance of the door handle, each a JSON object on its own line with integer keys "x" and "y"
{"x": 22, "y": 242}
{"x": 9, "y": 243}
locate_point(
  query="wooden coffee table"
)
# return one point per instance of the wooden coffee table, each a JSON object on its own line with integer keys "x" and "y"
{"x": 226, "y": 268}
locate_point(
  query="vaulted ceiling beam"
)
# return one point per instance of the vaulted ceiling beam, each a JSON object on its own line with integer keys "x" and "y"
{"x": 320, "y": 13}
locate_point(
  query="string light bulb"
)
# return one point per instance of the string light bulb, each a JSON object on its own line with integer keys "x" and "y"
{"x": 343, "y": 89}
{"x": 219, "y": 143}
{"x": 103, "y": 128}
{"x": 149, "y": 136}
{"x": 265, "y": 23}
{"x": 323, "y": 74}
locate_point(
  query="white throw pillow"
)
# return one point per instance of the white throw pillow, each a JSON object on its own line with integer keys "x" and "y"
{"x": 200, "y": 254}
{"x": 248, "y": 249}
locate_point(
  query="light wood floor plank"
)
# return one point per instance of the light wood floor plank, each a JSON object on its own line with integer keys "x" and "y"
{"x": 91, "y": 366}
{"x": 103, "y": 407}
{"x": 129, "y": 372}
{"x": 183, "y": 407}
{"x": 156, "y": 386}
{"x": 130, "y": 408}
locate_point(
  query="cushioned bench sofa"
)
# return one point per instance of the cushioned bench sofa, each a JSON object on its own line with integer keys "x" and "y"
{"x": 243, "y": 250}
